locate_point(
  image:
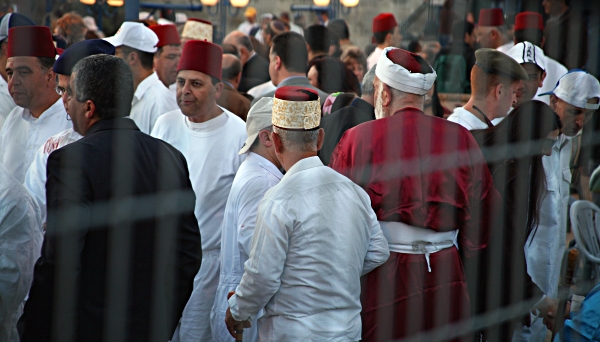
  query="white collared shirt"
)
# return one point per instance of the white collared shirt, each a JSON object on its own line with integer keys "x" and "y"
{"x": 20, "y": 247}
{"x": 466, "y": 119}
{"x": 255, "y": 176}
{"x": 22, "y": 135}
{"x": 315, "y": 235}
{"x": 261, "y": 89}
{"x": 35, "y": 178}
{"x": 150, "y": 100}
{"x": 374, "y": 57}
{"x": 6, "y": 101}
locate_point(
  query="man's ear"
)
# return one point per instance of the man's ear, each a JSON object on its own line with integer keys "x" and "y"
{"x": 51, "y": 78}
{"x": 553, "y": 102}
{"x": 321, "y": 139}
{"x": 218, "y": 90}
{"x": 498, "y": 90}
{"x": 542, "y": 78}
{"x": 278, "y": 63}
{"x": 90, "y": 109}
{"x": 386, "y": 95}
{"x": 265, "y": 138}
{"x": 276, "y": 142}
{"x": 388, "y": 38}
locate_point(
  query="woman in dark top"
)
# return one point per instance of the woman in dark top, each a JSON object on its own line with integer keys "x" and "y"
{"x": 513, "y": 150}
{"x": 331, "y": 76}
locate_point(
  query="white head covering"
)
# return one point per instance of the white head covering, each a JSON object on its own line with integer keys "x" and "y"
{"x": 576, "y": 88}
{"x": 399, "y": 77}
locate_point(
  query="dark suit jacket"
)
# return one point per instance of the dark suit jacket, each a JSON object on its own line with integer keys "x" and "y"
{"x": 295, "y": 81}
{"x": 255, "y": 72}
{"x": 337, "y": 123}
{"x": 122, "y": 244}
{"x": 234, "y": 102}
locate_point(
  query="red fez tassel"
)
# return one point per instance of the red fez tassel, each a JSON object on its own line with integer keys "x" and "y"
{"x": 384, "y": 22}
{"x": 30, "y": 41}
{"x": 529, "y": 20}
{"x": 167, "y": 34}
{"x": 202, "y": 56}
{"x": 491, "y": 17}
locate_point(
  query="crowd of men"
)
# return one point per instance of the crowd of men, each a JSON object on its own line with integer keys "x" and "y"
{"x": 157, "y": 186}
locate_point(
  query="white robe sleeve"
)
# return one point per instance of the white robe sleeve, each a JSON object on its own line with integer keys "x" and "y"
{"x": 35, "y": 180}
{"x": 249, "y": 200}
{"x": 262, "y": 277}
{"x": 378, "y": 251}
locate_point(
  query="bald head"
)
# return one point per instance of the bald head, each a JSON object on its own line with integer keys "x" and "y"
{"x": 242, "y": 42}
{"x": 231, "y": 70}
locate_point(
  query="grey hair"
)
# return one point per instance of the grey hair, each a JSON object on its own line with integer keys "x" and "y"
{"x": 367, "y": 83}
{"x": 298, "y": 141}
{"x": 106, "y": 81}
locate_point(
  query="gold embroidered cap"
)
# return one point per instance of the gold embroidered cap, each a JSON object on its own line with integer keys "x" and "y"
{"x": 296, "y": 108}
{"x": 198, "y": 29}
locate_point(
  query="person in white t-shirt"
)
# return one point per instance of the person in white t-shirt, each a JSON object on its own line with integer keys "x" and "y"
{"x": 136, "y": 45}
{"x": 387, "y": 33}
{"x": 495, "y": 79}
{"x": 209, "y": 137}
{"x": 35, "y": 178}
{"x": 39, "y": 113}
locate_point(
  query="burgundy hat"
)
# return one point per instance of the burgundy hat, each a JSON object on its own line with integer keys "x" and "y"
{"x": 296, "y": 108}
{"x": 529, "y": 20}
{"x": 491, "y": 17}
{"x": 167, "y": 34}
{"x": 202, "y": 56}
{"x": 31, "y": 41}
{"x": 384, "y": 22}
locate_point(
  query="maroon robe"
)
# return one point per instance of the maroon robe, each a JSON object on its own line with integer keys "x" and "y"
{"x": 429, "y": 173}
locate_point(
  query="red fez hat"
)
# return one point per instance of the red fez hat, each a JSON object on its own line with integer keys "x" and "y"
{"x": 32, "y": 41}
{"x": 529, "y": 20}
{"x": 167, "y": 34}
{"x": 491, "y": 17}
{"x": 384, "y": 22}
{"x": 409, "y": 61}
{"x": 296, "y": 93}
{"x": 202, "y": 56}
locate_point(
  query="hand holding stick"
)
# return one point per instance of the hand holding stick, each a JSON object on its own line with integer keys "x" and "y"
{"x": 236, "y": 328}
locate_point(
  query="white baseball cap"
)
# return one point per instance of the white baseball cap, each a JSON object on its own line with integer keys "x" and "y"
{"x": 576, "y": 88}
{"x": 135, "y": 35}
{"x": 526, "y": 52}
{"x": 259, "y": 117}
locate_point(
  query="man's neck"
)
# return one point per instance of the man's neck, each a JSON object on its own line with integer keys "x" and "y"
{"x": 383, "y": 46}
{"x": 140, "y": 76}
{"x": 263, "y": 151}
{"x": 291, "y": 158}
{"x": 487, "y": 107}
{"x": 283, "y": 75}
{"x": 210, "y": 114}
{"x": 38, "y": 110}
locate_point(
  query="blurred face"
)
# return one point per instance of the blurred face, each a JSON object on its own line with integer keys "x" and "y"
{"x": 396, "y": 37}
{"x": 549, "y": 142}
{"x": 196, "y": 94}
{"x": 508, "y": 97}
{"x": 528, "y": 88}
{"x": 25, "y": 77}
{"x": 570, "y": 116}
{"x": 470, "y": 39}
{"x": 165, "y": 64}
{"x": 551, "y": 6}
{"x": 484, "y": 37}
{"x": 357, "y": 68}
{"x": 77, "y": 110}
{"x": 313, "y": 76}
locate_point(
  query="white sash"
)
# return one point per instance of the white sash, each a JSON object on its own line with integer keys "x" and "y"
{"x": 403, "y": 238}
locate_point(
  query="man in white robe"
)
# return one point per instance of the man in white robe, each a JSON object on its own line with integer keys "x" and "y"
{"x": 209, "y": 137}
{"x": 315, "y": 236}
{"x": 257, "y": 174}
{"x": 39, "y": 113}
{"x": 136, "y": 45}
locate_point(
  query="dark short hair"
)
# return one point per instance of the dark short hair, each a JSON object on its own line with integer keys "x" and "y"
{"x": 534, "y": 36}
{"x": 232, "y": 71}
{"x": 146, "y": 58}
{"x": 338, "y": 29}
{"x": 333, "y": 76}
{"x": 460, "y": 28}
{"x": 106, "y": 81}
{"x": 245, "y": 41}
{"x": 380, "y": 36}
{"x": 317, "y": 37}
{"x": 46, "y": 62}
{"x": 291, "y": 48}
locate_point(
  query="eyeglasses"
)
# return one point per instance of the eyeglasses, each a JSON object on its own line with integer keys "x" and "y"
{"x": 60, "y": 90}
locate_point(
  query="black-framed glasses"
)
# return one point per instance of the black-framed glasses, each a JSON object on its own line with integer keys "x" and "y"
{"x": 60, "y": 90}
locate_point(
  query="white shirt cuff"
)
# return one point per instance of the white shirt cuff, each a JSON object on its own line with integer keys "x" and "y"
{"x": 235, "y": 310}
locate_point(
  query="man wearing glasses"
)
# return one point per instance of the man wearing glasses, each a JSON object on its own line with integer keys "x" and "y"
{"x": 35, "y": 178}
{"x": 39, "y": 113}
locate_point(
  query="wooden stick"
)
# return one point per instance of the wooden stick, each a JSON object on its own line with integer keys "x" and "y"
{"x": 239, "y": 328}
{"x": 564, "y": 287}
